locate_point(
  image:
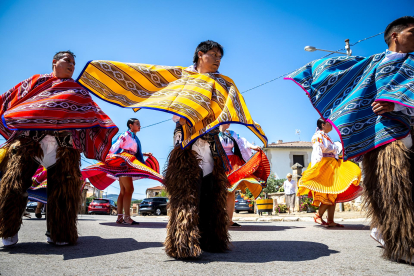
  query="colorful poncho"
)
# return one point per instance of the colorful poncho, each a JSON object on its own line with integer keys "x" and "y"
{"x": 342, "y": 90}
{"x": 204, "y": 100}
{"x": 44, "y": 102}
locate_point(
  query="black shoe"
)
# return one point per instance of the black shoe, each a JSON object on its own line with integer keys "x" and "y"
{"x": 234, "y": 225}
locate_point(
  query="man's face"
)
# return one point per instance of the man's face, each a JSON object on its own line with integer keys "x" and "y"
{"x": 405, "y": 39}
{"x": 210, "y": 60}
{"x": 64, "y": 67}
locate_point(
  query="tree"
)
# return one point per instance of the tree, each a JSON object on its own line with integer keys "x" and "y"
{"x": 273, "y": 185}
{"x": 163, "y": 193}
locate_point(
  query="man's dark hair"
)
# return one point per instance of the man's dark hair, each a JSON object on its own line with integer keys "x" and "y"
{"x": 61, "y": 54}
{"x": 131, "y": 122}
{"x": 206, "y": 46}
{"x": 397, "y": 26}
{"x": 320, "y": 122}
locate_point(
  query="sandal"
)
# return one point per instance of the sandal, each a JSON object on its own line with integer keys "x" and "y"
{"x": 120, "y": 219}
{"x": 128, "y": 220}
{"x": 318, "y": 217}
{"x": 328, "y": 224}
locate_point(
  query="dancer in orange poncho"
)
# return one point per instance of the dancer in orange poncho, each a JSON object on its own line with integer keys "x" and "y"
{"x": 247, "y": 171}
{"x": 328, "y": 179}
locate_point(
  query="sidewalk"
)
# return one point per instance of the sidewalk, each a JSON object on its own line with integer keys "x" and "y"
{"x": 300, "y": 216}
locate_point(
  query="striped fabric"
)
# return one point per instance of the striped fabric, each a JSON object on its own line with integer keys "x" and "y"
{"x": 101, "y": 175}
{"x": 342, "y": 90}
{"x": 44, "y": 102}
{"x": 204, "y": 100}
{"x": 252, "y": 175}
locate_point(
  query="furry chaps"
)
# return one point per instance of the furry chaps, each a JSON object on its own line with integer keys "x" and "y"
{"x": 18, "y": 169}
{"x": 63, "y": 196}
{"x": 182, "y": 179}
{"x": 388, "y": 197}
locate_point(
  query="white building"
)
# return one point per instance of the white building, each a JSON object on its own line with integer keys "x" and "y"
{"x": 282, "y": 156}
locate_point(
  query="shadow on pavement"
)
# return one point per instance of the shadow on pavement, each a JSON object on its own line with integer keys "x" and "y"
{"x": 347, "y": 227}
{"x": 262, "y": 228}
{"x": 140, "y": 225}
{"x": 269, "y": 251}
{"x": 88, "y": 246}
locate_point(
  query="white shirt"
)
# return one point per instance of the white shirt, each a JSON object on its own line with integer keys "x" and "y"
{"x": 289, "y": 187}
{"x": 322, "y": 143}
{"x": 244, "y": 145}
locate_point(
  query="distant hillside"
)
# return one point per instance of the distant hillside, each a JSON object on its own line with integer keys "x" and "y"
{"x": 114, "y": 197}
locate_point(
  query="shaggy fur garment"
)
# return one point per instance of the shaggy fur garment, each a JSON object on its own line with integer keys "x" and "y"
{"x": 388, "y": 198}
{"x": 182, "y": 179}
{"x": 18, "y": 169}
{"x": 213, "y": 215}
{"x": 63, "y": 196}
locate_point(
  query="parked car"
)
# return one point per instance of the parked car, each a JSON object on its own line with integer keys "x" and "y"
{"x": 242, "y": 204}
{"x": 31, "y": 207}
{"x": 153, "y": 205}
{"x": 102, "y": 206}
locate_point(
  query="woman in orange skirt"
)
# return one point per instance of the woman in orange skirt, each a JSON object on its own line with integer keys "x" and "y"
{"x": 247, "y": 171}
{"x": 329, "y": 180}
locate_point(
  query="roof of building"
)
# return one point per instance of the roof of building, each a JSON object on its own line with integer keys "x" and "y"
{"x": 294, "y": 144}
{"x": 156, "y": 188}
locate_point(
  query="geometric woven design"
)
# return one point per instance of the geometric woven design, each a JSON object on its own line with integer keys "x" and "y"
{"x": 343, "y": 88}
{"x": 204, "y": 100}
{"x": 44, "y": 102}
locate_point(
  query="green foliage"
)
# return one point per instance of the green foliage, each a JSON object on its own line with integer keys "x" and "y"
{"x": 281, "y": 208}
{"x": 163, "y": 193}
{"x": 273, "y": 184}
{"x": 136, "y": 201}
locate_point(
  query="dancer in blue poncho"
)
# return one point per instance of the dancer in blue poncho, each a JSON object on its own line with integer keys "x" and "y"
{"x": 370, "y": 103}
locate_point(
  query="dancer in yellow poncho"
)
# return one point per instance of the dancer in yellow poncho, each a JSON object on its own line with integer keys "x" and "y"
{"x": 328, "y": 179}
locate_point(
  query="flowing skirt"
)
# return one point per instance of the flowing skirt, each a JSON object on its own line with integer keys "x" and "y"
{"x": 101, "y": 175}
{"x": 331, "y": 181}
{"x": 252, "y": 175}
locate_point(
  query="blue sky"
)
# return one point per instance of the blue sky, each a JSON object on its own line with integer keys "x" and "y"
{"x": 262, "y": 40}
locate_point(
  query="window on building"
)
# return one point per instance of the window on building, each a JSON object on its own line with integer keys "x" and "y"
{"x": 299, "y": 159}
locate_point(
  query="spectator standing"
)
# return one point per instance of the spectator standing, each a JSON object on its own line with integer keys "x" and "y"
{"x": 290, "y": 192}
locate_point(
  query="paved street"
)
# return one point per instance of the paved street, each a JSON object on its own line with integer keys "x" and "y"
{"x": 258, "y": 248}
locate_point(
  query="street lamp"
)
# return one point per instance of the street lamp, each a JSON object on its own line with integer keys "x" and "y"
{"x": 347, "y": 48}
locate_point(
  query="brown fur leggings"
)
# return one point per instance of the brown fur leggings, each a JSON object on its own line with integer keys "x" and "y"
{"x": 63, "y": 189}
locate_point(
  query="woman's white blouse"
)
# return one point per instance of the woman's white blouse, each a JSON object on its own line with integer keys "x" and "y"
{"x": 125, "y": 141}
{"x": 322, "y": 143}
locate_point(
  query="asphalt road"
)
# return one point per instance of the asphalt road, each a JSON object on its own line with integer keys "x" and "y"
{"x": 258, "y": 248}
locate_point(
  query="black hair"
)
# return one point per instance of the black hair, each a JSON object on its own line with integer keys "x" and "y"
{"x": 397, "y": 26}
{"x": 131, "y": 121}
{"x": 320, "y": 122}
{"x": 61, "y": 54}
{"x": 206, "y": 46}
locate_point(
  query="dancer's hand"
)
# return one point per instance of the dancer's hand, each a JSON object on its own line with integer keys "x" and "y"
{"x": 381, "y": 107}
{"x": 256, "y": 148}
{"x": 147, "y": 153}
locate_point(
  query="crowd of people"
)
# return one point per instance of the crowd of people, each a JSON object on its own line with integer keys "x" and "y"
{"x": 369, "y": 101}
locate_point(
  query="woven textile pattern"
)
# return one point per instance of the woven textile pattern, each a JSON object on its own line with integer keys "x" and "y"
{"x": 342, "y": 90}
{"x": 44, "y": 102}
{"x": 204, "y": 100}
{"x": 101, "y": 175}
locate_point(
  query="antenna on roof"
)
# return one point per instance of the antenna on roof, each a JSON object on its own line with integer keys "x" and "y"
{"x": 298, "y": 133}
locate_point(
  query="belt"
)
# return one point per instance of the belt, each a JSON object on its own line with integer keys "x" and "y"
{"x": 328, "y": 155}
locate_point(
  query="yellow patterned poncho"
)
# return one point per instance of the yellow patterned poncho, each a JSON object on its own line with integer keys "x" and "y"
{"x": 204, "y": 100}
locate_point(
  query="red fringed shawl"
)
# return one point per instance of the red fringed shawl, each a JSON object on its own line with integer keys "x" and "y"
{"x": 44, "y": 102}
